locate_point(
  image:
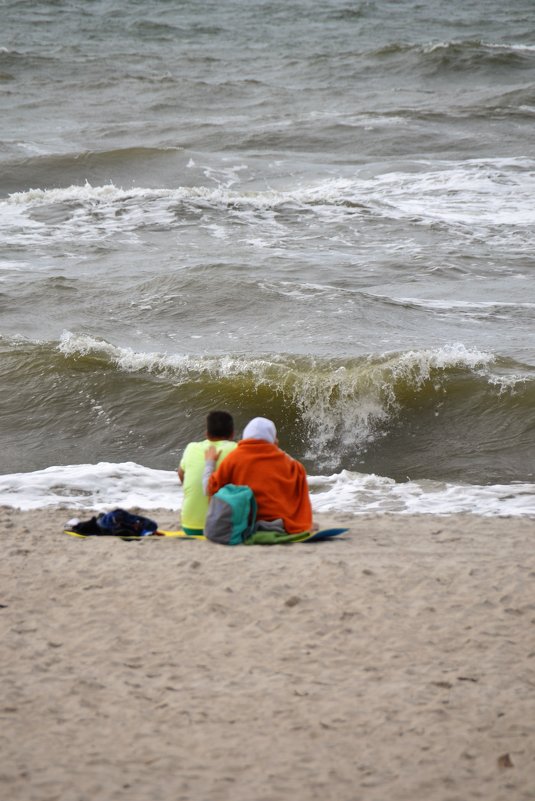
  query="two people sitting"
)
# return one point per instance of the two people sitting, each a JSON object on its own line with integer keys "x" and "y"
{"x": 278, "y": 481}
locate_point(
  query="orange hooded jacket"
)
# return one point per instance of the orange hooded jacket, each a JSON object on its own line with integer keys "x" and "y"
{"x": 279, "y": 482}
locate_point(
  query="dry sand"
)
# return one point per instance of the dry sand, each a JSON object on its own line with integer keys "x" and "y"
{"x": 397, "y": 663}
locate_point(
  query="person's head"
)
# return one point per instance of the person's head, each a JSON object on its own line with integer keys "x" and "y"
{"x": 260, "y": 428}
{"x": 219, "y": 425}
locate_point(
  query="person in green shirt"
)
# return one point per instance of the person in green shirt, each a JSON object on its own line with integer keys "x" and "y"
{"x": 219, "y": 433}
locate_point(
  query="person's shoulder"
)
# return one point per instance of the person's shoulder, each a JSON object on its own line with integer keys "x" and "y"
{"x": 194, "y": 447}
{"x": 227, "y": 445}
{"x": 228, "y": 449}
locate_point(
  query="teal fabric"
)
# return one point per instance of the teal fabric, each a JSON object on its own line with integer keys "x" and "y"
{"x": 231, "y": 515}
{"x": 192, "y": 531}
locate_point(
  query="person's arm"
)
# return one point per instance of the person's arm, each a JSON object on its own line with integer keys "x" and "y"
{"x": 185, "y": 458}
{"x": 211, "y": 455}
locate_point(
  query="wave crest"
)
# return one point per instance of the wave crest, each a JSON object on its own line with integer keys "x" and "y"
{"x": 388, "y": 413}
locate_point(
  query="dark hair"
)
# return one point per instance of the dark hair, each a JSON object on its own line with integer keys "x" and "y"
{"x": 220, "y": 425}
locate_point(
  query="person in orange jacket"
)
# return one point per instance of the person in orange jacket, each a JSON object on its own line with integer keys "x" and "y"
{"x": 278, "y": 481}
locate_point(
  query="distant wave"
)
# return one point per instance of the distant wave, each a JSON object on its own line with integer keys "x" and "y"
{"x": 481, "y": 310}
{"x": 93, "y": 158}
{"x": 485, "y": 194}
{"x": 460, "y": 55}
{"x": 10, "y": 57}
{"x": 166, "y": 32}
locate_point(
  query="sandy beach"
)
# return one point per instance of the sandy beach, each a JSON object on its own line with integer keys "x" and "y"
{"x": 395, "y": 663}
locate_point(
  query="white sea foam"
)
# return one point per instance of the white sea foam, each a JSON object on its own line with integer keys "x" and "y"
{"x": 179, "y": 364}
{"x": 469, "y": 305}
{"x": 99, "y": 486}
{"x": 434, "y": 46}
{"x": 454, "y": 355}
{"x": 360, "y": 494}
{"x": 504, "y": 46}
{"x": 482, "y": 196}
{"x": 471, "y": 193}
{"x": 104, "y": 486}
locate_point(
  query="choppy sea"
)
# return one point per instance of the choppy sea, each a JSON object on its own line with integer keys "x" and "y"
{"x": 319, "y": 212}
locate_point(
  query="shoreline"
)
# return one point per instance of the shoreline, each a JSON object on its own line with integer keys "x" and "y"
{"x": 395, "y": 662}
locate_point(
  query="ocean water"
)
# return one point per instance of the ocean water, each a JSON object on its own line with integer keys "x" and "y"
{"x": 320, "y": 212}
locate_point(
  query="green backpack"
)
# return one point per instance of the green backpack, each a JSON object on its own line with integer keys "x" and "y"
{"x": 231, "y": 517}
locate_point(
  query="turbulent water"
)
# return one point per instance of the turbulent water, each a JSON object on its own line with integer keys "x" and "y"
{"x": 320, "y": 212}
